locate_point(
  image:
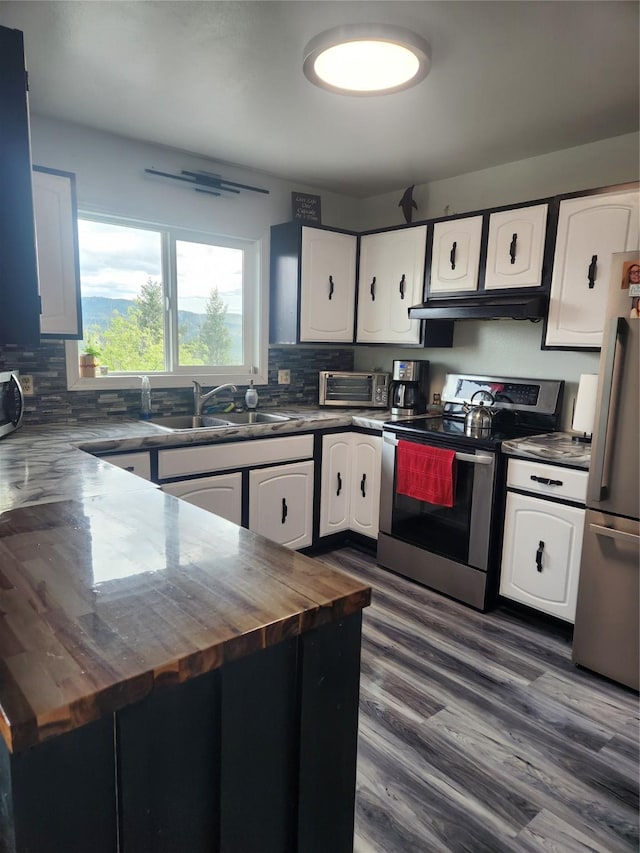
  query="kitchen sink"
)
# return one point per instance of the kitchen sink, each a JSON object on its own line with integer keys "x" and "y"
{"x": 246, "y": 418}
{"x": 228, "y": 419}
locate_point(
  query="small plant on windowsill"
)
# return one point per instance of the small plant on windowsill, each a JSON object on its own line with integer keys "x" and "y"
{"x": 90, "y": 360}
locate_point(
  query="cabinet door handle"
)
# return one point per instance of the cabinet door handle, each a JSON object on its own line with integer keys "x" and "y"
{"x": 539, "y": 555}
{"x": 330, "y": 286}
{"x": 512, "y": 248}
{"x": 339, "y": 484}
{"x": 402, "y": 286}
{"x": 593, "y": 268}
{"x": 284, "y": 510}
{"x": 373, "y": 289}
{"x": 452, "y": 255}
{"x": 362, "y": 485}
{"x": 618, "y": 535}
{"x": 129, "y": 468}
{"x": 546, "y": 481}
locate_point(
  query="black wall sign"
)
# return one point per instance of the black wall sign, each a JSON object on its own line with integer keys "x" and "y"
{"x": 306, "y": 207}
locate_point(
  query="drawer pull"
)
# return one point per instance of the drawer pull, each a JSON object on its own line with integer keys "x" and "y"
{"x": 362, "y": 484}
{"x": 339, "y": 484}
{"x": 539, "y": 555}
{"x": 512, "y": 248}
{"x": 591, "y": 275}
{"x": 618, "y": 535}
{"x": 284, "y": 510}
{"x": 452, "y": 255}
{"x": 546, "y": 481}
{"x": 331, "y": 286}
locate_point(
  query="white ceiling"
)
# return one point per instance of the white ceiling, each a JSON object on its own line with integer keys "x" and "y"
{"x": 509, "y": 80}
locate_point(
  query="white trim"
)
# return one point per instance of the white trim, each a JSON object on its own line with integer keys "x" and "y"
{"x": 255, "y": 321}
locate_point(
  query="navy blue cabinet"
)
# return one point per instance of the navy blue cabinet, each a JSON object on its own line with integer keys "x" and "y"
{"x": 19, "y": 298}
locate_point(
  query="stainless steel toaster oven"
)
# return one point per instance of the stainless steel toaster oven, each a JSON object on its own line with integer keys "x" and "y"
{"x": 347, "y": 388}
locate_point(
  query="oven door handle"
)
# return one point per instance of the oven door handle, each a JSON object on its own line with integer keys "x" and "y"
{"x": 475, "y": 458}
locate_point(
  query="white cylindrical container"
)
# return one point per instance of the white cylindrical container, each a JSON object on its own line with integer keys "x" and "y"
{"x": 585, "y": 409}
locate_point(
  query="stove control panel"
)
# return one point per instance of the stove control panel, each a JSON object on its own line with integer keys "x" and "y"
{"x": 542, "y": 396}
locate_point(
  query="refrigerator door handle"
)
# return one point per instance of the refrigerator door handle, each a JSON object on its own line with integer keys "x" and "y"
{"x": 610, "y": 533}
{"x": 597, "y": 487}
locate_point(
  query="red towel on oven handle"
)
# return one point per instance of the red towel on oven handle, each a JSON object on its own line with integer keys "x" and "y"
{"x": 426, "y": 473}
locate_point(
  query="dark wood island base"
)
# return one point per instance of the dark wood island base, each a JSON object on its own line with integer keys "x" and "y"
{"x": 240, "y": 735}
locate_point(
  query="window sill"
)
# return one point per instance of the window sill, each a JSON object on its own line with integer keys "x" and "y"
{"x": 127, "y": 382}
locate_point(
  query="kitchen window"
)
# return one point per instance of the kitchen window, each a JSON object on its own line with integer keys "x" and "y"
{"x": 166, "y": 303}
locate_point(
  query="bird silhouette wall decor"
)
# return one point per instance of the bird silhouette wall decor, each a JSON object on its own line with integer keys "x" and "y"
{"x": 407, "y": 204}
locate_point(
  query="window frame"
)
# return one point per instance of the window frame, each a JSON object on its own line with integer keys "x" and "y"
{"x": 254, "y": 315}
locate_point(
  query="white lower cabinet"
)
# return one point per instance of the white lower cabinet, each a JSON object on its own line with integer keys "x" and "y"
{"x": 365, "y": 484}
{"x": 350, "y": 491}
{"x": 541, "y": 551}
{"x": 281, "y": 503}
{"x": 220, "y": 494}
{"x": 335, "y": 486}
{"x": 136, "y": 463}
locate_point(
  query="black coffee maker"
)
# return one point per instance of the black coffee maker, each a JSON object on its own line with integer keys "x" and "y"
{"x": 410, "y": 389}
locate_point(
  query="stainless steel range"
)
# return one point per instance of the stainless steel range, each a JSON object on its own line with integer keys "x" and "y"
{"x": 451, "y": 540}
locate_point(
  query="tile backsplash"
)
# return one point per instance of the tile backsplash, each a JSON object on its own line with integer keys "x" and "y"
{"x": 53, "y": 402}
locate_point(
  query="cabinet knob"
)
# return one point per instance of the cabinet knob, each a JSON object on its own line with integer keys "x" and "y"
{"x": 591, "y": 274}
{"x": 512, "y": 248}
{"x": 330, "y": 286}
{"x": 539, "y": 555}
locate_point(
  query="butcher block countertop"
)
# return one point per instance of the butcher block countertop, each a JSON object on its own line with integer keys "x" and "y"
{"x": 111, "y": 589}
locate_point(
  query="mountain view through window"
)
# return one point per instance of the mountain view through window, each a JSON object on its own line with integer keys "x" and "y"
{"x": 153, "y": 303}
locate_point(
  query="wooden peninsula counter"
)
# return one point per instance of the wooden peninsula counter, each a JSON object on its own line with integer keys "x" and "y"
{"x": 171, "y": 683}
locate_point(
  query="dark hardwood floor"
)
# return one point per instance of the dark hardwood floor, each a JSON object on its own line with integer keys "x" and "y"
{"x": 477, "y": 733}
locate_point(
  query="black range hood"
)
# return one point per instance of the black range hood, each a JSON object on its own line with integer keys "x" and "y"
{"x": 503, "y": 306}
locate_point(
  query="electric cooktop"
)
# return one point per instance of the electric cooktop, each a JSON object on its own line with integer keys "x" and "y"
{"x": 522, "y": 407}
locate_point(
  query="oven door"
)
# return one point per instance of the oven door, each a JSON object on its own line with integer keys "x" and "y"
{"x": 460, "y": 533}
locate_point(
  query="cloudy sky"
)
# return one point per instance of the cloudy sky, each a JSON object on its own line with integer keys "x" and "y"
{"x": 115, "y": 261}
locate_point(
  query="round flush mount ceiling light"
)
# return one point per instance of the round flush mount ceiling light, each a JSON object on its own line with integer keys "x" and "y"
{"x": 367, "y": 59}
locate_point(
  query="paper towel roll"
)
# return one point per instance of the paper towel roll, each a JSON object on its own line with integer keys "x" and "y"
{"x": 585, "y": 410}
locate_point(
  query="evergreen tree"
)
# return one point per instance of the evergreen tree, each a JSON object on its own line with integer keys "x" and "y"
{"x": 215, "y": 339}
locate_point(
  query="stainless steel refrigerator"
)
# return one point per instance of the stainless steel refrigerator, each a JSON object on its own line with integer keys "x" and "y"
{"x": 606, "y": 627}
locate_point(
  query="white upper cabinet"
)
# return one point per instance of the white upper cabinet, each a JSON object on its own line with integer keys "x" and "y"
{"x": 455, "y": 259}
{"x": 590, "y": 229}
{"x": 327, "y": 285}
{"x": 57, "y": 245}
{"x": 515, "y": 250}
{"x": 391, "y": 280}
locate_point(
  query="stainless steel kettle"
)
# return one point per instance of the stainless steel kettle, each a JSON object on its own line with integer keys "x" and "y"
{"x": 479, "y": 416}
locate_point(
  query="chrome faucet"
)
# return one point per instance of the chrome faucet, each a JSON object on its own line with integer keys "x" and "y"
{"x": 199, "y": 399}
